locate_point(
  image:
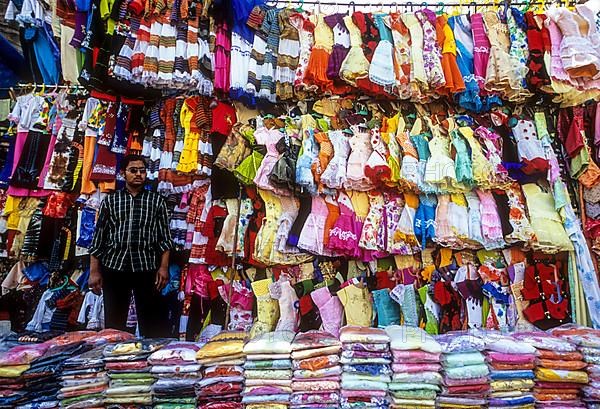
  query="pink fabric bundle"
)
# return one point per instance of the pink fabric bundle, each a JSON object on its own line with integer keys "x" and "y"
{"x": 500, "y": 357}
{"x": 416, "y": 368}
{"x": 415, "y": 356}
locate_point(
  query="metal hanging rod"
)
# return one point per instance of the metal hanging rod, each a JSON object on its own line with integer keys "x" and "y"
{"x": 417, "y": 4}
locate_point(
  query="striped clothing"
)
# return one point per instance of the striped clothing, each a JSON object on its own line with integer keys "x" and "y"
{"x": 132, "y": 232}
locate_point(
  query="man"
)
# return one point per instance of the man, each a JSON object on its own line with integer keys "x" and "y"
{"x": 130, "y": 251}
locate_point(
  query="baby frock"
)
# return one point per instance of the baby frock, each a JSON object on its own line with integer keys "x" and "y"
{"x": 551, "y": 236}
{"x": 288, "y": 55}
{"x": 394, "y": 203}
{"x": 342, "y": 237}
{"x": 483, "y": 170}
{"x": 440, "y": 170}
{"x": 462, "y": 159}
{"x": 491, "y": 226}
{"x": 500, "y": 77}
{"x": 304, "y": 24}
{"x": 405, "y": 230}
{"x": 311, "y": 237}
{"x": 469, "y": 98}
{"x": 402, "y": 61}
{"x": 578, "y": 56}
{"x": 370, "y": 39}
{"x": 431, "y": 51}
{"x": 474, "y": 219}
{"x": 491, "y": 143}
{"x": 334, "y": 175}
{"x": 481, "y": 49}
{"x": 388, "y": 134}
{"x": 376, "y": 168}
{"x": 381, "y": 71}
{"x": 341, "y": 47}
{"x": 269, "y": 138}
{"x": 361, "y": 149}
{"x": 316, "y": 71}
{"x": 418, "y": 77}
{"x": 443, "y": 233}
{"x": 519, "y": 53}
{"x": 355, "y": 65}
{"x": 530, "y": 148}
{"x": 310, "y": 151}
{"x": 323, "y": 158}
{"x": 410, "y": 159}
{"x": 458, "y": 218}
{"x": 370, "y": 231}
{"x": 265, "y": 239}
{"x": 447, "y": 45}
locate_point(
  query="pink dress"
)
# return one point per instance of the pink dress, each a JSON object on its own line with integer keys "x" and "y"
{"x": 481, "y": 50}
{"x": 222, "y": 58}
{"x": 360, "y": 145}
{"x": 343, "y": 237}
{"x": 491, "y": 227}
{"x": 311, "y": 236}
{"x": 269, "y": 138}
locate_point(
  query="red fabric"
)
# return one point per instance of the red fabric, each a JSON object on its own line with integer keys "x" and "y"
{"x": 466, "y": 389}
{"x": 223, "y": 118}
{"x": 571, "y": 130}
{"x": 212, "y": 230}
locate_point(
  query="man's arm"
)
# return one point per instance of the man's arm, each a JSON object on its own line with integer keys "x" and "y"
{"x": 97, "y": 248}
{"x": 165, "y": 244}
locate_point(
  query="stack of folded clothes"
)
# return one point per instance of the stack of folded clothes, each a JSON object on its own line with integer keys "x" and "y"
{"x": 223, "y": 377}
{"x": 511, "y": 363}
{"x": 42, "y": 379}
{"x": 129, "y": 372}
{"x": 13, "y": 363}
{"x": 176, "y": 371}
{"x": 589, "y": 346}
{"x": 465, "y": 373}
{"x": 416, "y": 368}
{"x": 553, "y": 353}
{"x": 268, "y": 371}
{"x": 317, "y": 370}
{"x": 366, "y": 360}
{"x": 574, "y": 373}
{"x": 84, "y": 381}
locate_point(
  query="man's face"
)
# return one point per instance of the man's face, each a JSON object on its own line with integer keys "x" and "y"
{"x": 135, "y": 173}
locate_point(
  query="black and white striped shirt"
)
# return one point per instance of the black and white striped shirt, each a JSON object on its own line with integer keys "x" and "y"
{"x": 132, "y": 232}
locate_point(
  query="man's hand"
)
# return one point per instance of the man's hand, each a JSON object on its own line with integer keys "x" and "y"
{"x": 95, "y": 281}
{"x": 162, "y": 277}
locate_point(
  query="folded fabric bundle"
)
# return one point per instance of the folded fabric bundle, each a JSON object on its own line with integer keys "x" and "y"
{"x": 129, "y": 372}
{"x": 222, "y": 380}
{"x": 268, "y": 359}
{"x": 558, "y": 374}
{"x": 465, "y": 372}
{"x": 177, "y": 372}
{"x": 36, "y": 372}
{"x": 366, "y": 372}
{"x": 84, "y": 380}
{"x": 416, "y": 379}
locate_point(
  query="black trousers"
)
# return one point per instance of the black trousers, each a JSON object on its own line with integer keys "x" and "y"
{"x": 151, "y": 308}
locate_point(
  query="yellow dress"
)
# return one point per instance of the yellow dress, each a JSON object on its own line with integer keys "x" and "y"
{"x": 188, "y": 162}
{"x": 355, "y": 65}
{"x": 482, "y": 168}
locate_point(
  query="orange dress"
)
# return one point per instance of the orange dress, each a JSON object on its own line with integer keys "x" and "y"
{"x": 445, "y": 39}
{"x": 316, "y": 71}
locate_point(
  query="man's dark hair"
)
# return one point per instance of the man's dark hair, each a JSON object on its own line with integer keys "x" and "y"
{"x": 127, "y": 159}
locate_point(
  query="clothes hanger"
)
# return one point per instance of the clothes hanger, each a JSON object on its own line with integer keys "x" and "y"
{"x": 441, "y": 9}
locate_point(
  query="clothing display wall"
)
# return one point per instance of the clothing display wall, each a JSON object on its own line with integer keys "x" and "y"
{"x": 412, "y": 166}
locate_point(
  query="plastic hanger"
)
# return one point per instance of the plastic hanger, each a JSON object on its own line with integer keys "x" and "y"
{"x": 441, "y": 9}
